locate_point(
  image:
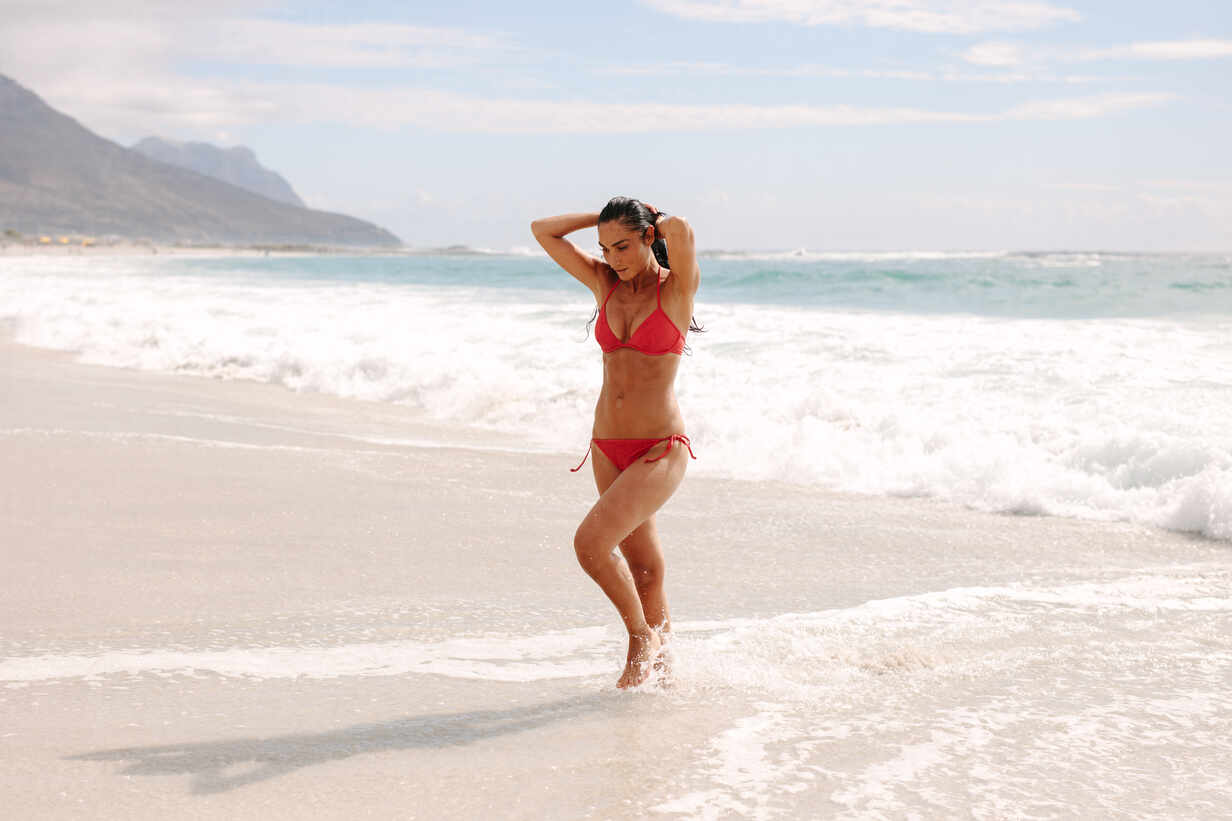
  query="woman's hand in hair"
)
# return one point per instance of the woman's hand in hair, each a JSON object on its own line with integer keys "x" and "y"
{"x": 658, "y": 218}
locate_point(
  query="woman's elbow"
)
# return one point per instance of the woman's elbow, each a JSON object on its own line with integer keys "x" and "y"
{"x": 542, "y": 229}
{"x": 677, "y": 227}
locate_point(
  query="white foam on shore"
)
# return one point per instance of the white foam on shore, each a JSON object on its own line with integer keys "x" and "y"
{"x": 788, "y": 655}
{"x": 562, "y": 654}
{"x": 758, "y": 759}
{"x": 1110, "y": 418}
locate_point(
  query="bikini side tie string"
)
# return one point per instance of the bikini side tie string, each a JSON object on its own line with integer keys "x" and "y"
{"x": 579, "y": 467}
{"x": 670, "y": 440}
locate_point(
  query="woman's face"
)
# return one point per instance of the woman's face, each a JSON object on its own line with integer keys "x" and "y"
{"x": 626, "y": 251}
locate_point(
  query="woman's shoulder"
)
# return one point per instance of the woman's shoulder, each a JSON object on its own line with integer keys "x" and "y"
{"x": 607, "y": 280}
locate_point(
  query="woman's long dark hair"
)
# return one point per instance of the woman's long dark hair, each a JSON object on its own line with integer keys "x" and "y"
{"x": 634, "y": 215}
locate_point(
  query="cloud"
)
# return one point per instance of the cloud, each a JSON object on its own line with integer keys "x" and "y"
{"x": 18, "y": 12}
{"x": 994, "y": 54}
{"x": 729, "y": 70}
{"x": 216, "y": 105}
{"x": 113, "y": 63}
{"x": 1161, "y": 50}
{"x": 247, "y": 41}
{"x": 451, "y": 112}
{"x": 1085, "y": 187}
{"x": 1007, "y": 54}
{"x": 1013, "y": 77}
{"x": 1224, "y": 185}
{"x": 350, "y": 45}
{"x": 129, "y": 88}
{"x": 447, "y": 111}
{"x": 713, "y": 69}
{"x": 930, "y": 16}
{"x": 1083, "y": 108}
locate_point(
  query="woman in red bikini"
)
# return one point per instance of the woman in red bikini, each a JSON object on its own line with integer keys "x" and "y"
{"x": 644, "y": 295}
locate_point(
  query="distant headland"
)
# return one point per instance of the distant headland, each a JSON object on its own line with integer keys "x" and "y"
{"x": 61, "y": 184}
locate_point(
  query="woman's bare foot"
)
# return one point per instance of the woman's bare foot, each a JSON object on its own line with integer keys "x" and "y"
{"x": 663, "y": 661}
{"x": 643, "y": 649}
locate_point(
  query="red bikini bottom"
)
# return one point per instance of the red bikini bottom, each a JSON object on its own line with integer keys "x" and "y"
{"x": 624, "y": 452}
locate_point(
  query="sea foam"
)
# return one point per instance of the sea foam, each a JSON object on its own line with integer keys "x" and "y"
{"x": 1118, "y": 417}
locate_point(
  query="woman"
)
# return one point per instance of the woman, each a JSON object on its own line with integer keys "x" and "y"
{"x": 642, "y": 305}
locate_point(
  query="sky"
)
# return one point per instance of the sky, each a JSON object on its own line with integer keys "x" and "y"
{"x": 769, "y": 124}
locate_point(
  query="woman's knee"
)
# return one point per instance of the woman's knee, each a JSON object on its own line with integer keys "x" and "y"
{"x": 588, "y": 548}
{"x": 647, "y": 573}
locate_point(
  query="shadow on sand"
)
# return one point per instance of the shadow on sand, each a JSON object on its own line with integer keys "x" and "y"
{"x": 208, "y": 762}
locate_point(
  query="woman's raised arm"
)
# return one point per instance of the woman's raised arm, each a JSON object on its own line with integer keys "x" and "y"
{"x": 681, "y": 251}
{"x": 550, "y": 233}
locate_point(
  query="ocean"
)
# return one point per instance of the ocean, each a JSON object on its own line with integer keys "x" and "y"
{"x": 956, "y": 543}
{"x": 1087, "y": 385}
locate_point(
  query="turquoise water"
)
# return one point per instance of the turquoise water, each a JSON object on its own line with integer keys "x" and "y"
{"x": 1014, "y": 285}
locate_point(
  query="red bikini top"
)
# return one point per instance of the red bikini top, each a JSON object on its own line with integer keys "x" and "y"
{"x": 656, "y": 336}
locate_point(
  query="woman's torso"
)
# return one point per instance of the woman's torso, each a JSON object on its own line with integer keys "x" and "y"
{"x": 638, "y": 399}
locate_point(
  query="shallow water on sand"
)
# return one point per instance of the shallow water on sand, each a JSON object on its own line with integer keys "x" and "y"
{"x": 1084, "y": 699}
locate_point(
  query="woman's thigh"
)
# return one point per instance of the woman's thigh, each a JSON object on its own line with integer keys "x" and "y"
{"x": 632, "y": 496}
{"x": 604, "y": 470}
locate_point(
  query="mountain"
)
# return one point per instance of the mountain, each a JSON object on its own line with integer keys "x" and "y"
{"x": 57, "y": 177}
{"x": 237, "y": 166}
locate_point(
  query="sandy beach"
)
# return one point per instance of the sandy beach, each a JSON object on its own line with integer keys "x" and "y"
{"x": 224, "y": 599}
